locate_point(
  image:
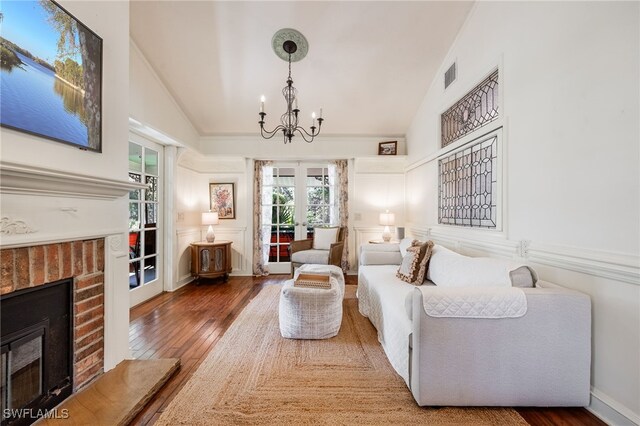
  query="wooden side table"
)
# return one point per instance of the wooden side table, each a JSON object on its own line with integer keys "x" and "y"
{"x": 211, "y": 260}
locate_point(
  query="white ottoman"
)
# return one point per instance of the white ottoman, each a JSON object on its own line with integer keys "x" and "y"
{"x": 312, "y": 313}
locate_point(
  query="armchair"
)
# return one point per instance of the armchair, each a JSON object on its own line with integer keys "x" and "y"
{"x": 302, "y": 252}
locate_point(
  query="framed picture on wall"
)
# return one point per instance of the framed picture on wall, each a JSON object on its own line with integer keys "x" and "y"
{"x": 223, "y": 200}
{"x": 51, "y": 74}
{"x": 388, "y": 148}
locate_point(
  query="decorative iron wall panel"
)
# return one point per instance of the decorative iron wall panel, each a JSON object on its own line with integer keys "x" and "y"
{"x": 468, "y": 182}
{"x": 476, "y": 109}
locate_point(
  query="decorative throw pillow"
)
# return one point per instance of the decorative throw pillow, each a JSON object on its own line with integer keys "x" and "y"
{"x": 414, "y": 264}
{"x": 324, "y": 237}
{"x": 424, "y": 262}
{"x": 405, "y": 244}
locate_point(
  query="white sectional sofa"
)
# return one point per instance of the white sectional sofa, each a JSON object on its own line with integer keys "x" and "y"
{"x": 478, "y": 346}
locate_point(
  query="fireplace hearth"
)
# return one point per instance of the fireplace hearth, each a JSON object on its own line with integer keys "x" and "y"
{"x": 37, "y": 350}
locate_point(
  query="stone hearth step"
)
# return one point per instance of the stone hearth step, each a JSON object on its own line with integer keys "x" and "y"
{"x": 117, "y": 396}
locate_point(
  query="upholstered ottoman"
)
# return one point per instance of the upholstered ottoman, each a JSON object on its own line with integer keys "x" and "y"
{"x": 312, "y": 313}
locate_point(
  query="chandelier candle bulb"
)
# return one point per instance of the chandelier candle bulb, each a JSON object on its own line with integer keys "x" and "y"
{"x": 320, "y": 112}
{"x": 262, "y": 103}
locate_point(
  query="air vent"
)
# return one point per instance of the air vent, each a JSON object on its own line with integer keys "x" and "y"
{"x": 450, "y": 75}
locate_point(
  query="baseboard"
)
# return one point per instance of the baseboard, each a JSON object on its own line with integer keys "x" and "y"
{"x": 611, "y": 411}
{"x": 182, "y": 282}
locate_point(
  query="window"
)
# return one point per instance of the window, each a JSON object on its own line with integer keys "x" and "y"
{"x": 468, "y": 185}
{"x": 477, "y": 108}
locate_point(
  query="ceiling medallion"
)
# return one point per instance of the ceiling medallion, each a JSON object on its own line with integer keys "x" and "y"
{"x": 289, "y": 34}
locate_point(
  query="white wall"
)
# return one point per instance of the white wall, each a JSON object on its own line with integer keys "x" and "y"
{"x": 376, "y": 183}
{"x": 570, "y": 108}
{"x": 195, "y": 173}
{"x": 54, "y": 216}
{"x": 151, "y": 104}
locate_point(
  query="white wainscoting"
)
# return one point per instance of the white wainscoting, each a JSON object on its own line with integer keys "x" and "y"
{"x": 615, "y": 266}
{"x": 185, "y": 236}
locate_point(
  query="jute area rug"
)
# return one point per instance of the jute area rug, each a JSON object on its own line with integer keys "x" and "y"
{"x": 254, "y": 376}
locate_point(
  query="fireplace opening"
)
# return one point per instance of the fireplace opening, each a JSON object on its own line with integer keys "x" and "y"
{"x": 36, "y": 341}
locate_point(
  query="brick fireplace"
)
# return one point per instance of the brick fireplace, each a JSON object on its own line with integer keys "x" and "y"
{"x": 83, "y": 261}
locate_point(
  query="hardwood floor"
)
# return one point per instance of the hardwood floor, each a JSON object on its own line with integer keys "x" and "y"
{"x": 187, "y": 324}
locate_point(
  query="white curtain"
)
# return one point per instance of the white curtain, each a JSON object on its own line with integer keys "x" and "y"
{"x": 262, "y": 200}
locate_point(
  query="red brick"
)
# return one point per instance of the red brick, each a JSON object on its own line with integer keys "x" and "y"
{"x": 52, "y": 252}
{"x": 88, "y": 281}
{"x": 22, "y": 268}
{"x": 77, "y": 258}
{"x": 86, "y": 305}
{"x": 100, "y": 255}
{"x": 89, "y": 339}
{"x": 6, "y": 270}
{"x": 89, "y": 259}
{"x": 84, "y": 353}
{"x": 37, "y": 264}
{"x": 94, "y": 313}
{"x": 87, "y": 328}
{"x": 66, "y": 260}
{"x": 87, "y": 293}
{"x": 81, "y": 380}
{"x": 90, "y": 360}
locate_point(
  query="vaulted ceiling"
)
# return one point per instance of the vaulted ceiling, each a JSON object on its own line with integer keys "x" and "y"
{"x": 369, "y": 64}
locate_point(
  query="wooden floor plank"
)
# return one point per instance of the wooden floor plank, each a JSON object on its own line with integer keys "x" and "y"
{"x": 188, "y": 323}
{"x": 118, "y": 395}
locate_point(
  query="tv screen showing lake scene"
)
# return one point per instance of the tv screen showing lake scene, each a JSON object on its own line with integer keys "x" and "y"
{"x": 50, "y": 74}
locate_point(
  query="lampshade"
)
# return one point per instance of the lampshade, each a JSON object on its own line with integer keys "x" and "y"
{"x": 387, "y": 219}
{"x": 210, "y": 218}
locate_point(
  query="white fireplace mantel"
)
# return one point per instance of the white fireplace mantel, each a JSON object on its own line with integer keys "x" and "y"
{"x": 21, "y": 179}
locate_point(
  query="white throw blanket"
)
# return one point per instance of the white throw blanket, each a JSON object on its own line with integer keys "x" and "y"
{"x": 480, "y": 302}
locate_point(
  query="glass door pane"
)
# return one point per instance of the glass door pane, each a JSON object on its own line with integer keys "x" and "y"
{"x": 295, "y": 199}
{"x": 282, "y": 205}
{"x": 143, "y": 215}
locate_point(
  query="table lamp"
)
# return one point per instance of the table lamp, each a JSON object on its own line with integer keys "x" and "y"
{"x": 387, "y": 219}
{"x": 210, "y": 218}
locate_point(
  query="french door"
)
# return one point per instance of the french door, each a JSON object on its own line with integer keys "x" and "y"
{"x": 145, "y": 221}
{"x": 297, "y": 197}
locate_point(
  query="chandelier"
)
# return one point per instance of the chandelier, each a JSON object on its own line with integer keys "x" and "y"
{"x": 290, "y": 45}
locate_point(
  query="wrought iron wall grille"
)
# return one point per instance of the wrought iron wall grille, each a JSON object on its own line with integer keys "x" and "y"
{"x": 476, "y": 109}
{"x": 468, "y": 182}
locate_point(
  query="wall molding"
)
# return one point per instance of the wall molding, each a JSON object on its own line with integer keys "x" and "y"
{"x": 616, "y": 266}
{"x": 29, "y": 180}
{"x": 611, "y": 411}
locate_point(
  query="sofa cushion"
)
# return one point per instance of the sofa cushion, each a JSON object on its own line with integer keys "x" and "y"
{"x": 311, "y": 256}
{"x": 414, "y": 264}
{"x": 324, "y": 237}
{"x": 450, "y": 269}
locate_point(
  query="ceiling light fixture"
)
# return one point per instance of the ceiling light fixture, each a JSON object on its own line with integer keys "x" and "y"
{"x": 291, "y": 46}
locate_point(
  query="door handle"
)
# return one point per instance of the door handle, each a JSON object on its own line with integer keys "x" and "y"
{"x": 304, "y": 223}
{"x": 297, "y": 223}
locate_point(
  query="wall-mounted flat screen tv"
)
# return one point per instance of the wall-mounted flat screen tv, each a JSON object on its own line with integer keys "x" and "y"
{"x": 51, "y": 74}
